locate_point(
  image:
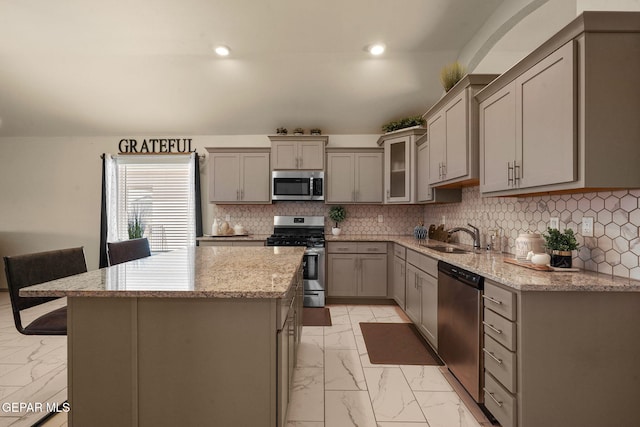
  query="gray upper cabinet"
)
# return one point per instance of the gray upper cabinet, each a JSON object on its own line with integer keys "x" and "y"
{"x": 425, "y": 193}
{"x": 452, "y": 125}
{"x": 565, "y": 118}
{"x": 354, "y": 176}
{"x": 399, "y": 169}
{"x": 237, "y": 176}
{"x": 298, "y": 152}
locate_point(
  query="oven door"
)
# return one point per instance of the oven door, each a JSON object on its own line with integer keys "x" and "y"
{"x": 313, "y": 277}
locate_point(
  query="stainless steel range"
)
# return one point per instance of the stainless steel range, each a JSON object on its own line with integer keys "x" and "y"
{"x": 304, "y": 231}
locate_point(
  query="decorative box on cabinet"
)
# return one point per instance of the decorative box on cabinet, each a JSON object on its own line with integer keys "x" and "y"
{"x": 239, "y": 176}
{"x": 565, "y": 118}
{"x": 298, "y": 152}
{"x": 452, "y": 125}
{"x": 399, "y": 170}
{"x": 426, "y": 193}
{"x": 354, "y": 175}
{"x": 357, "y": 269}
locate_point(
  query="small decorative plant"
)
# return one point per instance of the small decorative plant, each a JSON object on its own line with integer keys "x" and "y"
{"x": 281, "y": 131}
{"x": 403, "y": 123}
{"x": 451, "y": 74}
{"x": 315, "y": 131}
{"x": 135, "y": 222}
{"x": 560, "y": 246}
{"x": 337, "y": 214}
{"x": 298, "y": 131}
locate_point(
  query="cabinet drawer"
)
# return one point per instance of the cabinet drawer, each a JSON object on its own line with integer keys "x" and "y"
{"x": 499, "y": 402}
{"x": 372, "y": 248}
{"x": 500, "y": 329}
{"x": 499, "y": 300}
{"x": 427, "y": 264}
{"x": 500, "y": 362}
{"x": 399, "y": 251}
{"x": 342, "y": 247}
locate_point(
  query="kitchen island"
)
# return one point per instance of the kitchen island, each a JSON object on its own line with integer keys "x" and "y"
{"x": 200, "y": 336}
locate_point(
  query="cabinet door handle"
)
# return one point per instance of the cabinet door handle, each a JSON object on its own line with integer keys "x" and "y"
{"x": 237, "y": 194}
{"x": 300, "y": 162}
{"x": 516, "y": 173}
{"x": 492, "y": 398}
{"x": 493, "y": 356}
{"x": 493, "y": 300}
{"x": 241, "y": 194}
{"x": 444, "y": 170}
{"x": 387, "y": 194}
{"x": 440, "y": 170}
{"x": 493, "y": 328}
{"x": 509, "y": 174}
{"x": 357, "y": 195}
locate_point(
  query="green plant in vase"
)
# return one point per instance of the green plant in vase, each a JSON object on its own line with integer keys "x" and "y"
{"x": 560, "y": 246}
{"x": 135, "y": 222}
{"x": 337, "y": 214}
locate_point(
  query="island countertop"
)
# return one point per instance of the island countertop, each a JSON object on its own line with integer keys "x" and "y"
{"x": 196, "y": 272}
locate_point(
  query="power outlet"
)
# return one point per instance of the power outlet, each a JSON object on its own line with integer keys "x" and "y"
{"x": 380, "y": 218}
{"x": 227, "y": 217}
{"x": 554, "y": 222}
{"x": 587, "y": 226}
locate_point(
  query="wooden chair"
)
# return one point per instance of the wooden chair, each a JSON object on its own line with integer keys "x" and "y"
{"x": 128, "y": 250}
{"x": 32, "y": 269}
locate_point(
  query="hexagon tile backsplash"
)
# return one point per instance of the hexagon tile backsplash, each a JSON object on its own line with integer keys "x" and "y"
{"x": 613, "y": 249}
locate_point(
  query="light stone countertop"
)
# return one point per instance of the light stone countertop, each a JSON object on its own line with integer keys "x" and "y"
{"x": 232, "y": 237}
{"x": 491, "y": 265}
{"x": 197, "y": 272}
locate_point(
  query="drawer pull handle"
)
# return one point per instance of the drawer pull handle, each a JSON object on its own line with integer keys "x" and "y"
{"x": 493, "y": 300}
{"x": 493, "y": 328}
{"x": 493, "y": 398}
{"x": 372, "y": 249}
{"x": 499, "y": 361}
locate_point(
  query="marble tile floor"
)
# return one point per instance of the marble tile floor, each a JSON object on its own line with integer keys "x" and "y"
{"x": 334, "y": 385}
{"x": 33, "y": 369}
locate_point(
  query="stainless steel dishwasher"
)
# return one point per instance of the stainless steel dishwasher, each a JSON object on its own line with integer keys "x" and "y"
{"x": 460, "y": 326}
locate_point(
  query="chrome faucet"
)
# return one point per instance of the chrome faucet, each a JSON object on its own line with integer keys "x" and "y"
{"x": 475, "y": 234}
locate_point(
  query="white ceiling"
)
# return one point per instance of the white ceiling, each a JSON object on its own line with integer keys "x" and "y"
{"x": 88, "y": 68}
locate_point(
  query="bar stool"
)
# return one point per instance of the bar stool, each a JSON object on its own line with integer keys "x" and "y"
{"x": 36, "y": 268}
{"x": 128, "y": 250}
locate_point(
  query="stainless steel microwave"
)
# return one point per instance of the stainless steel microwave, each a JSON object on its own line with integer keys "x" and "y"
{"x": 297, "y": 185}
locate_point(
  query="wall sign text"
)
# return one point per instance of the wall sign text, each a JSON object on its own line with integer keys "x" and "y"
{"x": 159, "y": 145}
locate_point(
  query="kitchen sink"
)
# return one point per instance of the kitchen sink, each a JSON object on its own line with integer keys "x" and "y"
{"x": 447, "y": 249}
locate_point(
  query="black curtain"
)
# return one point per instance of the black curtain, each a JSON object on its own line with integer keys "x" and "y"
{"x": 103, "y": 217}
{"x": 198, "y": 197}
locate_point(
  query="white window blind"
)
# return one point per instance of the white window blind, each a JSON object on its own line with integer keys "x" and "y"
{"x": 160, "y": 190}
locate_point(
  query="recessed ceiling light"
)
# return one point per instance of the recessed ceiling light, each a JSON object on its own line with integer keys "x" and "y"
{"x": 376, "y": 49}
{"x": 222, "y": 50}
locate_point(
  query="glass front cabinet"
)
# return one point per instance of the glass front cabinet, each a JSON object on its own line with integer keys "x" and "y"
{"x": 399, "y": 164}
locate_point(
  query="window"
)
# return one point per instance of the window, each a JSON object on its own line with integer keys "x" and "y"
{"x": 157, "y": 190}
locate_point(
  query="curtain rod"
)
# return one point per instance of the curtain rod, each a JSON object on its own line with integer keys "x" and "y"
{"x": 200, "y": 156}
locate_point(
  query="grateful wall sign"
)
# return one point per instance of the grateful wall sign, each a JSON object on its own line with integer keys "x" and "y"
{"x": 155, "y": 145}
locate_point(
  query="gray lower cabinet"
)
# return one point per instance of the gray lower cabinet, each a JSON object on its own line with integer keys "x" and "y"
{"x": 422, "y": 294}
{"x": 398, "y": 283}
{"x": 558, "y": 359}
{"x": 357, "y": 269}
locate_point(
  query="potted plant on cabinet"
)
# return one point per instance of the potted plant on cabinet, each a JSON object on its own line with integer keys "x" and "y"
{"x": 337, "y": 215}
{"x": 560, "y": 246}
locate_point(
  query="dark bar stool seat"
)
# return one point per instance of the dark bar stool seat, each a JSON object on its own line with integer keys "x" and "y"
{"x": 36, "y": 268}
{"x": 128, "y": 250}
